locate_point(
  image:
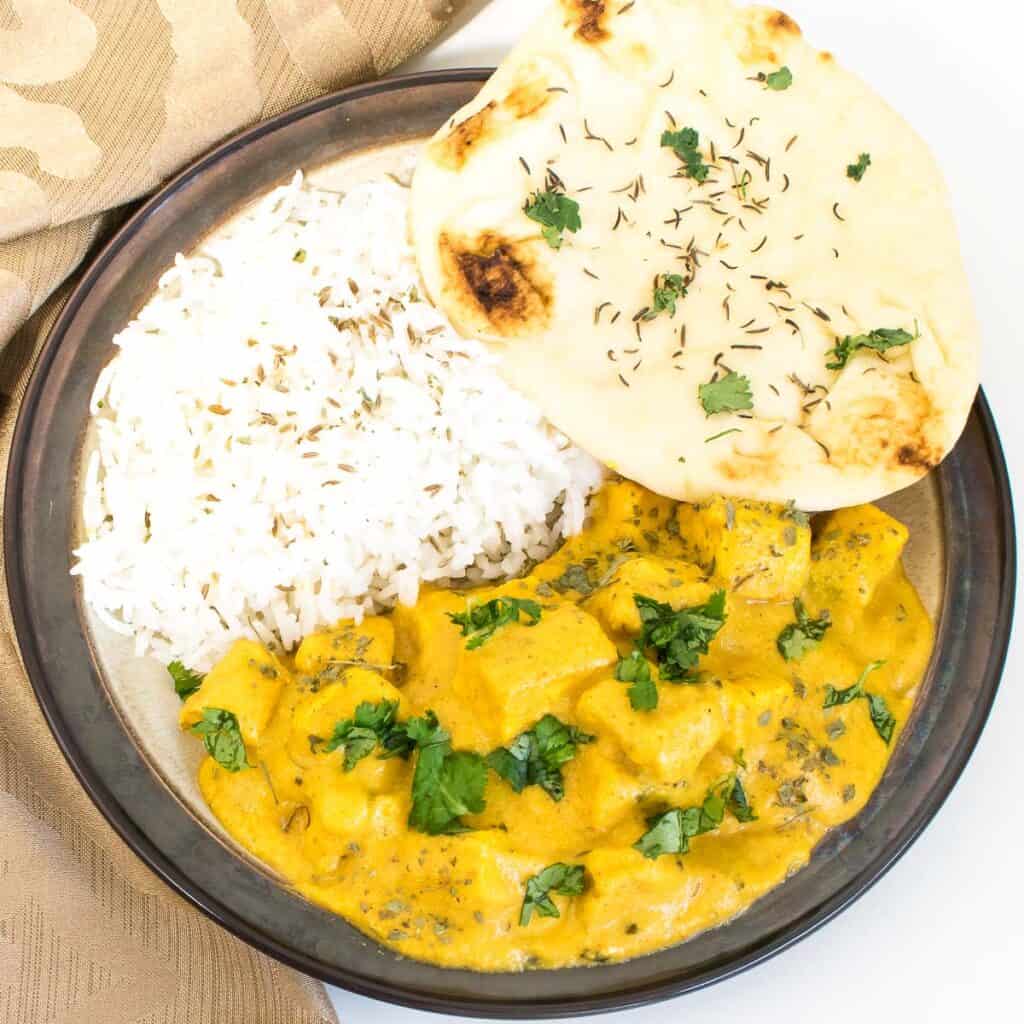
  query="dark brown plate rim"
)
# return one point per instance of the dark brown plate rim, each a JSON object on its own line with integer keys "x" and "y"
{"x": 635, "y": 989}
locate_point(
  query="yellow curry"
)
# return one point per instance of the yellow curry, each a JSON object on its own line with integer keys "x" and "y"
{"x": 627, "y": 746}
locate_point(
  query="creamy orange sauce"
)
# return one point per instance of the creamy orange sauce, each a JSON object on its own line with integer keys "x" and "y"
{"x": 341, "y": 838}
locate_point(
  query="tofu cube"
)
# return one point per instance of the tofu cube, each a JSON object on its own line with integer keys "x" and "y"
{"x": 371, "y": 642}
{"x": 667, "y": 744}
{"x": 754, "y": 706}
{"x": 628, "y": 504}
{"x": 247, "y": 681}
{"x": 755, "y": 548}
{"x": 316, "y": 715}
{"x": 680, "y": 584}
{"x": 626, "y": 888}
{"x": 854, "y": 550}
{"x": 523, "y": 672}
{"x": 610, "y": 791}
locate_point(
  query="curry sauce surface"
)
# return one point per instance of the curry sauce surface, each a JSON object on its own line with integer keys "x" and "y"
{"x": 341, "y": 838}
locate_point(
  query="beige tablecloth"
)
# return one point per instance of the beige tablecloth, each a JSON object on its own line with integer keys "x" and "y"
{"x": 100, "y": 100}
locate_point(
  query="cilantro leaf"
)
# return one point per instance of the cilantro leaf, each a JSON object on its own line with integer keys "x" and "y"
{"x": 564, "y": 879}
{"x": 804, "y": 635}
{"x": 671, "y": 831}
{"x": 479, "y": 622}
{"x": 678, "y": 638}
{"x": 512, "y": 763}
{"x": 535, "y": 758}
{"x": 186, "y": 682}
{"x": 668, "y": 288}
{"x": 881, "y": 717}
{"x": 879, "y": 340}
{"x": 446, "y": 784}
{"x": 856, "y": 171}
{"x": 736, "y": 800}
{"x": 684, "y": 144}
{"x": 778, "y": 80}
{"x": 834, "y": 697}
{"x": 556, "y": 213}
{"x": 730, "y": 393}
{"x": 222, "y": 738}
{"x": 371, "y": 724}
{"x": 635, "y": 669}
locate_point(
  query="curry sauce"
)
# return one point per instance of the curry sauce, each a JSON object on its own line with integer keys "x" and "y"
{"x": 751, "y": 713}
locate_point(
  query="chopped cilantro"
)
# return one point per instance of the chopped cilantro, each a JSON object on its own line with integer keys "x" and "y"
{"x": 222, "y": 738}
{"x": 563, "y": 879}
{"x": 684, "y": 144}
{"x": 479, "y": 622}
{"x": 678, "y": 638}
{"x": 186, "y": 682}
{"x": 636, "y": 670}
{"x": 736, "y": 799}
{"x": 856, "y": 171}
{"x": 446, "y": 784}
{"x": 371, "y": 724}
{"x": 879, "y": 340}
{"x": 535, "y": 758}
{"x": 730, "y": 393}
{"x": 668, "y": 288}
{"x": 778, "y": 80}
{"x": 671, "y": 831}
{"x": 804, "y": 635}
{"x": 556, "y": 213}
{"x": 834, "y": 697}
{"x": 881, "y": 718}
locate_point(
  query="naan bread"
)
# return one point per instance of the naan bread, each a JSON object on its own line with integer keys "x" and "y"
{"x": 783, "y": 253}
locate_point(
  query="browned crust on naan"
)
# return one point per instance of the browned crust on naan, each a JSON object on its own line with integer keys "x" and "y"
{"x": 766, "y": 32}
{"x": 529, "y": 96}
{"x": 523, "y": 100}
{"x": 452, "y": 151}
{"x": 589, "y": 17}
{"x": 498, "y": 281}
{"x": 895, "y": 427}
{"x": 780, "y": 23}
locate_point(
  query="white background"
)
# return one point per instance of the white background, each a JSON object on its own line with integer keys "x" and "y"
{"x": 941, "y": 937}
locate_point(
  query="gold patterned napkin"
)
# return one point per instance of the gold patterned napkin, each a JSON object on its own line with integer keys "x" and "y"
{"x": 101, "y": 100}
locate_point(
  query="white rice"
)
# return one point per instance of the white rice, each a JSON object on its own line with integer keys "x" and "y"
{"x": 289, "y": 435}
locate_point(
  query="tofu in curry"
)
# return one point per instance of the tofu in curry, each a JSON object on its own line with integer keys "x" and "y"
{"x": 627, "y": 746}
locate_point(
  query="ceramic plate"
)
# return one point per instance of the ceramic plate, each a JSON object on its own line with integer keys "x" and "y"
{"x": 115, "y": 718}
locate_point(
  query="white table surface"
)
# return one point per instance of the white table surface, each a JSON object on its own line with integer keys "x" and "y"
{"x": 941, "y": 937}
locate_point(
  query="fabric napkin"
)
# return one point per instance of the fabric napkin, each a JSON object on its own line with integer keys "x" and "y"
{"x": 101, "y": 100}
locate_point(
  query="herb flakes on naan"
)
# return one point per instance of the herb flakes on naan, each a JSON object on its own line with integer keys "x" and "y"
{"x": 742, "y": 207}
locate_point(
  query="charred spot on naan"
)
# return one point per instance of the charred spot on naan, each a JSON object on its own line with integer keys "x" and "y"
{"x": 589, "y": 17}
{"x": 452, "y": 151}
{"x": 781, "y": 24}
{"x": 497, "y": 282}
{"x": 895, "y": 427}
{"x": 765, "y": 31}
{"x": 528, "y": 95}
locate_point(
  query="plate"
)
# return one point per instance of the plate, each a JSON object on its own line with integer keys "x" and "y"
{"x": 116, "y": 727}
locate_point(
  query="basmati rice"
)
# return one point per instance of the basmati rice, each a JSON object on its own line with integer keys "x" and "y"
{"x": 289, "y": 435}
